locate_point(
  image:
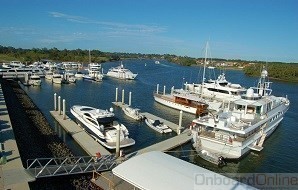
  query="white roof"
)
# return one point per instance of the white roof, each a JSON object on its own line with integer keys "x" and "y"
{"x": 159, "y": 171}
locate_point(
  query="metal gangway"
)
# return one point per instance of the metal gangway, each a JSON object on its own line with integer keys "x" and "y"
{"x": 49, "y": 167}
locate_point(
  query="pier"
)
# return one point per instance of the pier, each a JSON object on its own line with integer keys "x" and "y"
{"x": 12, "y": 172}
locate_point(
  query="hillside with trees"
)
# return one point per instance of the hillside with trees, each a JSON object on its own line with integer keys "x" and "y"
{"x": 277, "y": 70}
{"x": 280, "y": 71}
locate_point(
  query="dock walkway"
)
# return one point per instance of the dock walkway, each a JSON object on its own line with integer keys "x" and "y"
{"x": 80, "y": 135}
{"x": 12, "y": 173}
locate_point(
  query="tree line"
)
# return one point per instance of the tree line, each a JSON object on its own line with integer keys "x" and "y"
{"x": 280, "y": 71}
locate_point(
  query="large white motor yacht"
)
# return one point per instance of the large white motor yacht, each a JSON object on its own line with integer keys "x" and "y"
{"x": 121, "y": 73}
{"x": 241, "y": 126}
{"x": 101, "y": 125}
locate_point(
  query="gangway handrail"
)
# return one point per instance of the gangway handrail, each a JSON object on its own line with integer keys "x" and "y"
{"x": 46, "y": 167}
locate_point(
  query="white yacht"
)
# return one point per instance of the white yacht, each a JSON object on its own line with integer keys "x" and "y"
{"x": 35, "y": 80}
{"x": 94, "y": 66}
{"x": 133, "y": 113}
{"x": 57, "y": 78}
{"x": 121, "y": 73}
{"x": 197, "y": 98}
{"x": 101, "y": 125}
{"x": 32, "y": 79}
{"x": 241, "y": 126}
{"x": 158, "y": 126}
{"x": 13, "y": 64}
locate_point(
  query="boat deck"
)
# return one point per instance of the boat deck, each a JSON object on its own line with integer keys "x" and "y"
{"x": 80, "y": 135}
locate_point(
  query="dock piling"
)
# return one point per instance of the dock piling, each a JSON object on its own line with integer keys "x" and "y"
{"x": 118, "y": 142}
{"x": 180, "y": 123}
{"x": 172, "y": 90}
{"x": 129, "y": 100}
{"x": 64, "y": 107}
{"x": 122, "y": 96}
{"x": 55, "y": 102}
{"x": 157, "y": 88}
{"x": 164, "y": 90}
{"x": 59, "y": 105}
{"x": 116, "y": 98}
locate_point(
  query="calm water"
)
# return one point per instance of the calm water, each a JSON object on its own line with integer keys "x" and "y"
{"x": 279, "y": 154}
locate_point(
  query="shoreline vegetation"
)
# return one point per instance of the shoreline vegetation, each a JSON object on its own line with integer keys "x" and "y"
{"x": 287, "y": 72}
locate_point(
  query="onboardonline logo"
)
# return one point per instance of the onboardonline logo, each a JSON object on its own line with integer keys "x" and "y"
{"x": 247, "y": 180}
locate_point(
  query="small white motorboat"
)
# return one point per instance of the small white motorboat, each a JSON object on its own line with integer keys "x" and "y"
{"x": 157, "y": 126}
{"x": 133, "y": 113}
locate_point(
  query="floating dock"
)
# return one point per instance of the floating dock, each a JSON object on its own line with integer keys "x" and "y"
{"x": 173, "y": 126}
{"x": 79, "y": 135}
{"x": 165, "y": 145}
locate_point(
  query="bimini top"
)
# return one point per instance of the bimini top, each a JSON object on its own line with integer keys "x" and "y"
{"x": 159, "y": 171}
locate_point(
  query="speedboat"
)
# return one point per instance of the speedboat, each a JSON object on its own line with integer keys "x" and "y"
{"x": 157, "y": 125}
{"x": 133, "y": 113}
{"x": 101, "y": 125}
{"x": 121, "y": 73}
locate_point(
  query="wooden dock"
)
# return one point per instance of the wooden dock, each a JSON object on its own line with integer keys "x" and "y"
{"x": 80, "y": 135}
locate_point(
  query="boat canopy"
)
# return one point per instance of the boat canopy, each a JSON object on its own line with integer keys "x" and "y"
{"x": 159, "y": 171}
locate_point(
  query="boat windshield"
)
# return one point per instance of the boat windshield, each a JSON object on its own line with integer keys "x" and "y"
{"x": 106, "y": 120}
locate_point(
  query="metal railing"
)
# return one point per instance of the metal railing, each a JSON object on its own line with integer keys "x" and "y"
{"x": 48, "y": 167}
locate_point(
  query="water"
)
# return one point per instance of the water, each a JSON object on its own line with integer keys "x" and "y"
{"x": 280, "y": 150}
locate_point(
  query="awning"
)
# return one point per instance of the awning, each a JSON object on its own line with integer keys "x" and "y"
{"x": 159, "y": 171}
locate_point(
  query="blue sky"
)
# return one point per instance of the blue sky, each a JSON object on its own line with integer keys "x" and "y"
{"x": 235, "y": 29}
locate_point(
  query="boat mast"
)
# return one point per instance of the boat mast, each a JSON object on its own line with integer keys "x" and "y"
{"x": 205, "y": 63}
{"x": 204, "y": 70}
{"x": 89, "y": 57}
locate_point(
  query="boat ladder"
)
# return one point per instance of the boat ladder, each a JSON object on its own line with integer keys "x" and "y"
{"x": 263, "y": 137}
{"x": 49, "y": 167}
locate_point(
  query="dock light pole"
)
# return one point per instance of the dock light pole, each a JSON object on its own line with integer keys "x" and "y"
{"x": 64, "y": 108}
{"x": 164, "y": 90}
{"x": 59, "y": 105}
{"x": 118, "y": 142}
{"x": 129, "y": 100}
{"x": 172, "y": 90}
{"x": 122, "y": 96}
{"x": 157, "y": 88}
{"x": 55, "y": 102}
{"x": 180, "y": 123}
{"x": 116, "y": 98}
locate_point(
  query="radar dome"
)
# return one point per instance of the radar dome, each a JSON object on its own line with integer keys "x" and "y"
{"x": 111, "y": 109}
{"x": 250, "y": 92}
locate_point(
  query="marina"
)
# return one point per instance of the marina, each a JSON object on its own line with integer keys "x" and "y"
{"x": 161, "y": 142}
